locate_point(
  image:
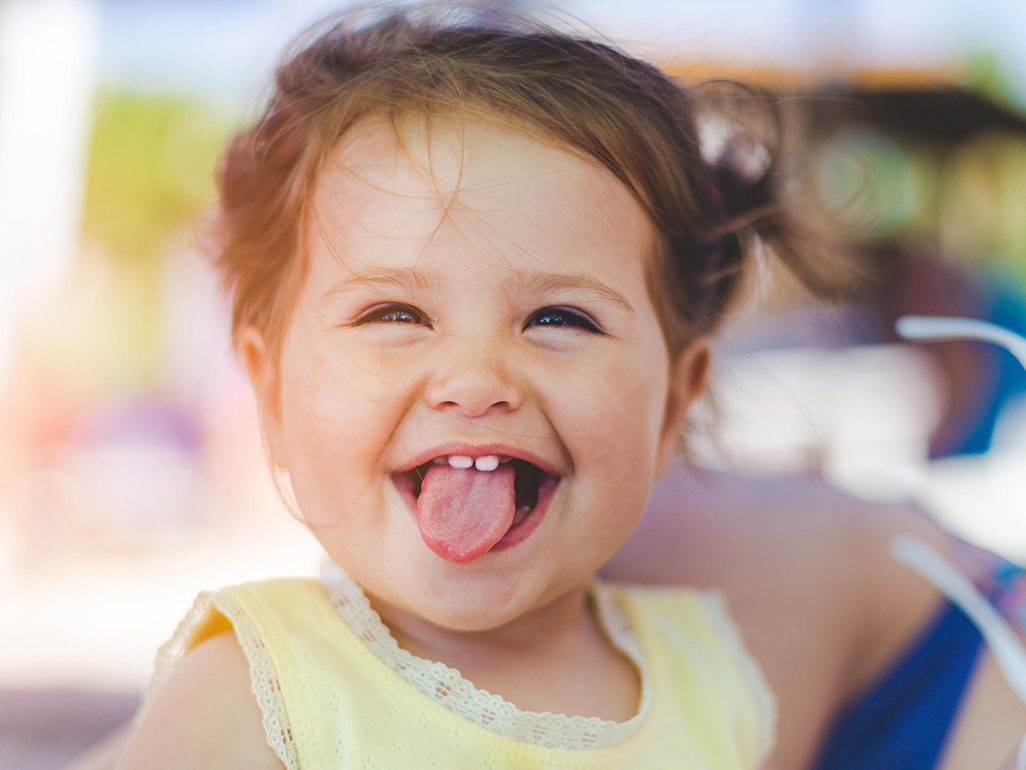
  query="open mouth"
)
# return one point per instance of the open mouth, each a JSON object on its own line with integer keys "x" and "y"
{"x": 466, "y": 506}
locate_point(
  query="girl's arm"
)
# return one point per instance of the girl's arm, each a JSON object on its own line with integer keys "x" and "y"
{"x": 204, "y": 715}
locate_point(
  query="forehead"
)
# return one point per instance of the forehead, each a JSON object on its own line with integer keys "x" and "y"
{"x": 446, "y": 183}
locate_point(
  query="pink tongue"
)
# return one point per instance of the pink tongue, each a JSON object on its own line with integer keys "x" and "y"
{"x": 464, "y": 512}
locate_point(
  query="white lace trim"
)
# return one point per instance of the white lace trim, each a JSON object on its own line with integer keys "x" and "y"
{"x": 449, "y": 688}
{"x": 263, "y": 678}
{"x": 765, "y": 702}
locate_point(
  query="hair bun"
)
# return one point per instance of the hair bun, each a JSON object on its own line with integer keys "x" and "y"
{"x": 744, "y": 174}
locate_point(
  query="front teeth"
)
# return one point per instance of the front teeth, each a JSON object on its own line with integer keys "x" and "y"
{"x": 486, "y": 463}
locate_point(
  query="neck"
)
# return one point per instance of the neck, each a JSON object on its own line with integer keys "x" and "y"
{"x": 565, "y": 617}
{"x": 555, "y": 658}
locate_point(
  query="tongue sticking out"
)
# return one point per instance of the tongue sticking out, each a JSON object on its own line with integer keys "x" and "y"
{"x": 464, "y": 512}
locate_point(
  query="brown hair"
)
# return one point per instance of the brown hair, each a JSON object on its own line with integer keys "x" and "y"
{"x": 586, "y": 95}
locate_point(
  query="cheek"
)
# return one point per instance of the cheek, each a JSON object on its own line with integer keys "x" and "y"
{"x": 615, "y": 410}
{"x": 321, "y": 398}
{"x": 335, "y": 421}
{"x": 340, "y": 388}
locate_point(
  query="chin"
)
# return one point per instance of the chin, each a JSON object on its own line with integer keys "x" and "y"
{"x": 473, "y": 612}
{"x": 472, "y": 618}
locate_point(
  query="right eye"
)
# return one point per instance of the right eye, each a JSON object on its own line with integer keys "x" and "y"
{"x": 561, "y": 317}
{"x": 392, "y": 313}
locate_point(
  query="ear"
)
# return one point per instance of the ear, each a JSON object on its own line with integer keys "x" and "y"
{"x": 688, "y": 375}
{"x": 263, "y": 376}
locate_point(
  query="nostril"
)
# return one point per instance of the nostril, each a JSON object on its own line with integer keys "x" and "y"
{"x": 474, "y": 392}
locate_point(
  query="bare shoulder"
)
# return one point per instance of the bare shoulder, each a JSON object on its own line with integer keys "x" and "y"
{"x": 204, "y": 715}
{"x": 707, "y": 527}
{"x": 897, "y": 602}
{"x": 793, "y": 544}
{"x": 798, "y": 542}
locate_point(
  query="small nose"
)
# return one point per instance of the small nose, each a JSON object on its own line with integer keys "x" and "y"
{"x": 476, "y": 380}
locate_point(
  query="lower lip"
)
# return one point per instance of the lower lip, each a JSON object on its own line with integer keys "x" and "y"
{"x": 523, "y": 530}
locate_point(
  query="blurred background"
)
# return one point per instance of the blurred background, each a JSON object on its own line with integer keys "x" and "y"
{"x": 131, "y": 471}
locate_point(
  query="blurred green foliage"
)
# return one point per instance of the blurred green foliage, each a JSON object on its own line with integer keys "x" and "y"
{"x": 872, "y": 182}
{"x": 967, "y": 201}
{"x": 150, "y": 179}
{"x": 150, "y": 171}
{"x": 984, "y": 72}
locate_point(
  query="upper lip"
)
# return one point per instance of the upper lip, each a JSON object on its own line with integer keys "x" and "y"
{"x": 481, "y": 450}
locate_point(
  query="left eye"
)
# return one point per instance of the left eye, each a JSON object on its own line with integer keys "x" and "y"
{"x": 563, "y": 317}
{"x": 393, "y": 313}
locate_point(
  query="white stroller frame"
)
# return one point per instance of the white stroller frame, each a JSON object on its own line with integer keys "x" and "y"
{"x": 1003, "y": 642}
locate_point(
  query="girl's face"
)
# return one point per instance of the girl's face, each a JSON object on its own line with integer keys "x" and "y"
{"x": 473, "y": 293}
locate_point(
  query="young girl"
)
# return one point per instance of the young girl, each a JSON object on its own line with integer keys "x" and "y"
{"x": 472, "y": 270}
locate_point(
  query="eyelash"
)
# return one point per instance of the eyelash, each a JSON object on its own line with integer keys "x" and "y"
{"x": 570, "y": 317}
{"x": 558, "y": 316}
{"x": 389, "y": 313}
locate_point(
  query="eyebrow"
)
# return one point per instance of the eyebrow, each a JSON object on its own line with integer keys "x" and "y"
{"x": 553, "y": 282}
{"x": 542, "y": 283}
{"x": 401, "y": 278}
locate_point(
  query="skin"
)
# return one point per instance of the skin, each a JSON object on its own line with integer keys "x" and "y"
{"x": 474, "y": 291}
{"x": 204, "y": 716}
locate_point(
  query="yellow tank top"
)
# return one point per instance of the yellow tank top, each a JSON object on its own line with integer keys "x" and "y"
{"x": 337, "y": 692}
